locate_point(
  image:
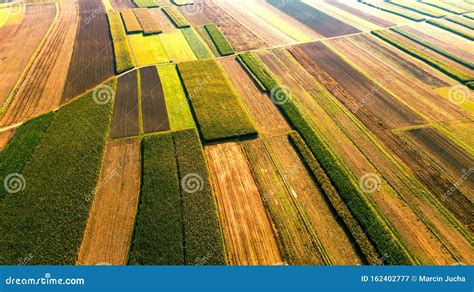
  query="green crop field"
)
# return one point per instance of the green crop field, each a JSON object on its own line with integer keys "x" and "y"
{"x": 219, "y": 111}
{"x": 146, "y": 3}
{"x": 199, "y": 47}
{"x": 66, "y": 163}
{"x": 123, "y": 56}
{"x": 158, "y": 236}
{"x": 222, "y": 44}
{"x": 178, "y": 19}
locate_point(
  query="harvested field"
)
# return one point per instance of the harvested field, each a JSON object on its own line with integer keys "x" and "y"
{"x": 148, "y": 21}
{"x": 92, "y": 59}
{"x": 176, "y": 17}
{"x": 179, "y": 112}
{"x": 310, "y": 198}
{"x": 326, "y": 62}
{"x": 155, "y": 116}
{"x": 240, "y": 38}
{"x": 404, "y": 210}
{"x": 12, "y": 60}
{"x": 445, "y": 5}
{"x": 218, "y": 109}
{"x": 379, "y": 13}
{"x": 195, "y": 16}
{"x": 148, "y": 50}
{"x": 177, "y": 47}
{"x": 114, "y": 206}
{"x": 122, "y": 5}
{"x": 461, "y": 21}
{"x": 420, "y": 98}
{"x": 300, "y": 243}
{"x": 421, "y": 8}
{"x": 362, "y": 14}
{"x": 202, "y": 233}
{"x": 41, "y": 88}
{"x": 453, "y": 27}
{"x": 125, "y": 121}
{"x": 267, "y": 117}
{"x": 197, "y": 44}
{"x": 165, "y": 23}
{"x": 394, "y": 9}
{"x": 122, "y": 53}
{"x": 5, "y": 137}
{"x": 158, "y": 233}
{"x": 270, "y": 34}
{"x": 317, "y": 20}
{"x": 247, "y": 230}
{"x": 131, "y": 22}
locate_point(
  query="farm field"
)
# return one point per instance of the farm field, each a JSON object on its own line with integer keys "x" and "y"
{"x": 239, "y": 133}
{"x": 112, "y": 215}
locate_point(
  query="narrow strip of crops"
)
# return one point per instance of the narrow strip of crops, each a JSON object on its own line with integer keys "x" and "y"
{"x": 146, "y": 3}
{"x": 158, "y": 234}
{"x": 461, "y": 21}
{"x": 123, "y": 56}
{"x": 469, "y": 15}
{"x": 202, "y": 234}
{"x": 48, "y": 218}
{"x": 182, "y": 2}
{"x": 450, "y": 29}
{"x": 420, "y": 8}
{"x": 394, "y": 10}
{"x": 18, "y": 151}
{"x": 131, "y": 23}
{"x": 218, "y": 38}
{"x": 219, "y": 111}
{"x": 377, "y": 228}
{"x": 433, "y": 47}
{"x": 198, "y": 46}
{"x": 336, "y": 200}
{"x": 443, "y": 67}
{"x": 176, "y": 17}
{"x": 444, "y": 6}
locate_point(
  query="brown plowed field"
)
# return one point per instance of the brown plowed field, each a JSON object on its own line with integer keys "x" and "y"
{"x": 120, "y": 5}
{"x": 155, "y": 116}
{"x": 417, "y": 96}
{"x": 147, "y": 20}
{"x": 298, "y": 237}
{"x": 42, "y": 87}
{"x": 195, "y": 16}
{"x": 315, "y": 19}
{"x": 346, "y": 139}
{"x": 125, "y": 121}
{"x": 241, "y": 38}
{"x": 92, "y": 59}
{"x": 268, "y": 33}
{"x": 366, "y": 16}
{"x": 19, "y": 43}
{"x": 347, "y": 84}
{"x": 5, "y": 137}
{"x": 265, "y": 113}
{"x": 307, "y": 192}
{"x": 112, "y": 215}
{"x": 248, "y": 233}
{"x": 163, "y": 20}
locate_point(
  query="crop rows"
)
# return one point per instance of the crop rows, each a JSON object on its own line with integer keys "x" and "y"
{"x": 218, "y": 109}
{"x": 443, "y": 67}
{"x": 461, "y": 21}
{"x": 451, "y": 29}
{"x": 420, "y": 8}
{"x": 444, "y": 6}
{"x": 376, "y": 227}
{"x": 158, "y": 234}
{"x": 66, "y": 162}
{"x": 394, "y": 10}
{"x": 218, "y": 38}
{"x": 433, "y": 47}
{"x": 178, "y": 19}
{"x": 123, "y": 55}
{"x": 198, "y": 46}
{"x": 147, "y": 21}
{"x": 131, "y": 22}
